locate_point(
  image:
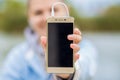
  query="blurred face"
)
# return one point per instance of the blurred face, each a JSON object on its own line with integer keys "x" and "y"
{"x": 39, "y": 11}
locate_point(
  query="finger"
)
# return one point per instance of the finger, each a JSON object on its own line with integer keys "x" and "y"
{"x": 77, "y": 31}
{"x": 75, "y": 47}
{"x": 76, "y": 56}
{"x": 76, "y": 38}
{"x": 43, "y": 40}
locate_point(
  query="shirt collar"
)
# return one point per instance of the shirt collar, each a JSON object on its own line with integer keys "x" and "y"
{"x": 33, "y": 40}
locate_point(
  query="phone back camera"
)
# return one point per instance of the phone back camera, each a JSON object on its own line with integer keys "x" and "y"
{"x": 64, "y": 19}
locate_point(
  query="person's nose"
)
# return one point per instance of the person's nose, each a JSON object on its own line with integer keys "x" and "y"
{"x": 46, "y": 15}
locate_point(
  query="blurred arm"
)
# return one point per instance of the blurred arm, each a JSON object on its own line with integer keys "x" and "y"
{"x": 86, "y": 65}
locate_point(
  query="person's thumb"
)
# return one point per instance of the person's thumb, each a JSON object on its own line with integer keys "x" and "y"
{"x": 43, "y": 41}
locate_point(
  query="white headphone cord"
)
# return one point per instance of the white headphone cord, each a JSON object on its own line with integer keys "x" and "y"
{"x": 56, "y": 3}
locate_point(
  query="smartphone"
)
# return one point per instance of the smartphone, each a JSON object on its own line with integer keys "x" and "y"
{"x": 59, "y": 56}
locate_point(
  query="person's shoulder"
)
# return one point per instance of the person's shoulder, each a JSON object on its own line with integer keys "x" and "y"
{"x": 19, "y": 50}
{"x": 15, "y": 60}
{"x": 21, "y": 47}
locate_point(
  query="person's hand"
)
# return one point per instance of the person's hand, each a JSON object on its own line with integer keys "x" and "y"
{"x": 76, "y": 37}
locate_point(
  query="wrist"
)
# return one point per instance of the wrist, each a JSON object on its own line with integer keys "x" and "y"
{"x": 63, "y": 76}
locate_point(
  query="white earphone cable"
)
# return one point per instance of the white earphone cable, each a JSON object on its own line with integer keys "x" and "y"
{"x": 57, "y": 3}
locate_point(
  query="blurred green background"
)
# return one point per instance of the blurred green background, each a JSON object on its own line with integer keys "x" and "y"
{"x": 13, "y": 18}
{"x": 102, "y": 29}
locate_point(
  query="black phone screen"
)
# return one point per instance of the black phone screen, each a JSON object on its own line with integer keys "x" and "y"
{"x": 59, "y": 52}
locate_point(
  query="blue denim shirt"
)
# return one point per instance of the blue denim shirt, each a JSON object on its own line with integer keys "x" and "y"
{"x": 26, "y": 61}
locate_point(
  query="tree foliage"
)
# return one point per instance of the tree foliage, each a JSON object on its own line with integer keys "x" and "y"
{"x": 14, "y": 19}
